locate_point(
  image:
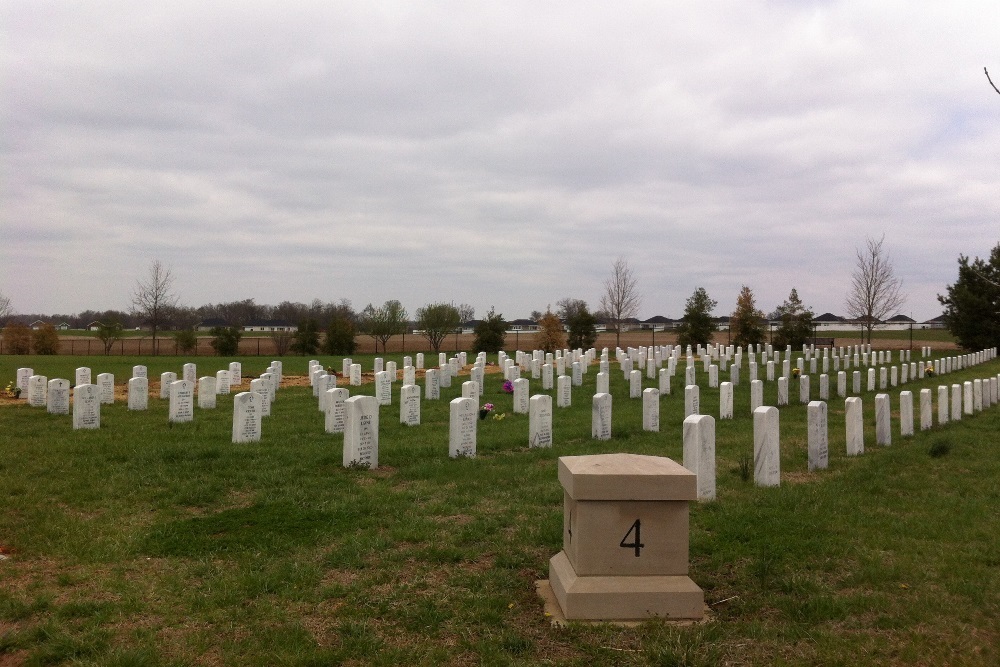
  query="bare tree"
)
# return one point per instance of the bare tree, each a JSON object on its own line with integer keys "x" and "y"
{"x": 991, "y": 81}
{"x": 153, "y": 298}
{"x": 621, "y": 296}
{"x": 6, "y": 310}
{"x": 875, "y": 291}
{"x": 466, "y": 312}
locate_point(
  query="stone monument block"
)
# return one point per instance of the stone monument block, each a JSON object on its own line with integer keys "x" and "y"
{"x": 625, "y": 539}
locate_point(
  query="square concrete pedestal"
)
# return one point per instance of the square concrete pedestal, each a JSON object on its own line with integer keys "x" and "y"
{"x": 625, "y": 539}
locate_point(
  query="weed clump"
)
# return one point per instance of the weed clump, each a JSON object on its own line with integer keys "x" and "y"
{"x": 939, "y": 448}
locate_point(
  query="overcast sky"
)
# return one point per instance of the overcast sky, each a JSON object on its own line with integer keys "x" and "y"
{"x": 493, "y": 153}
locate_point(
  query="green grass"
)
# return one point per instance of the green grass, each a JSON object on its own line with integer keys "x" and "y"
{"x": 146, "y": 544}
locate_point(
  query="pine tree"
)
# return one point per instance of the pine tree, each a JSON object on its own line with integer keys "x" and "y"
{"x": 697, "y": 325}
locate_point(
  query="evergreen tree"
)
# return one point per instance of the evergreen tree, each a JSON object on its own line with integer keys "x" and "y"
{"x": 306, "y": 339}
{"x": 972, "y": 304}
{"x": 697, "y": 325}
{"x": 340, "y": 335}
{"x": 226, "y": 341}
{"x": 796, "y": 322}
{"x": 581, "y": 324}
{"x": 490, "y": 333}
{"x": 186, "y": 340}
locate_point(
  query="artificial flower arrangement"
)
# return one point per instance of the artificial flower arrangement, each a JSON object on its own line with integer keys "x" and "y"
{"x": 13, "y": 390}
{"x": 796, "y": 372}
{"x": 929, "y": 371}
{"x": 508, "y": 386}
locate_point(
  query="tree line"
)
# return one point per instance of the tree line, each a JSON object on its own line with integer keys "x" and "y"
{"x": 971, "y": 305}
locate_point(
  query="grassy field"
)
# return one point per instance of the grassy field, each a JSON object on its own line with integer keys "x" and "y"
{"x": 144, "y": 543}
{"x": 85, "y": 343}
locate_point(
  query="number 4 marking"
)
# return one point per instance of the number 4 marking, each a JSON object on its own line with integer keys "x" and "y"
{"x": 635, "y": 543}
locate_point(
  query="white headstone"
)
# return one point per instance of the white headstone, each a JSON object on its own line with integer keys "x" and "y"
{"x": 140, "y": 372}
{"x": 58, "y": 397}
{"x": 692, "y": 400}
{"x": 855, "y": 426}
{"x": 906, "y": 413}
{"x": 335, "y": 410}
{"x": 181, "y": 401}
{"x": 766, "y": 449}
{"x": 247, "y": 416}
{"x": 521, "y": 396}
{"x": 235, "y": 374}
{"x": 824, "y": 387}
{"x": 818, "y": 437}
{"x": 883, "y": 425}
{"x": 83, "y": 376}
{"x": 361, "y": 432}
{"x": 651, "y": 410}
{"x": 540, "y": 421}
{"x": 86, "y": 406}
{"x": 756, "y": 395}
{"x": 261, "y": 386}
{"x": 432, "y": 384}
{"x": 783, "y": 390}
{"x": 564, "y": 391}
{"x": 699, "y": 453}
{"x": 804, "y": 389}
{"x": 222, "y": 382}
{"x": 106, "y": 388}
{"x": 38, "y": 389}
{"x": 355, "y": 372}
{"x": 664, "y": 382}
{"x": 926, "y": 410}
{"x": 635, "y": 384}
{"x": 601, "y": 417}
{"x": 206, "y": 392}
{"x": 943, "y": 404}
{"x": 138, "y": 393}
{"x": 464, "y": 415}
{"x": 726, "y": 400}
{"x": 409, "y": 405}
{"x": 383, "y": 388}
{"x": 166, "y": 379}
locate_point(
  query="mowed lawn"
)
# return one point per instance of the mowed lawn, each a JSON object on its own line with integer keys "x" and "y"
{"x": 146, "y": 543}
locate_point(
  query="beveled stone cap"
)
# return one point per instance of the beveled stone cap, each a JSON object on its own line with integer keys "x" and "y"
{"x": 626, "y": 477}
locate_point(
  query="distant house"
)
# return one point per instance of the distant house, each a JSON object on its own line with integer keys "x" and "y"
{"x": 935, "y": 323}
{"x": 270, "y": 326}
{"x": 63, "y": 326}
{"x": 658, "y": 323}
{"x": 94, "y": 326}
{"x": 521, "y": 326}
{"x": 470, "y": 326}
{"x": 210, "y": 323}
{"x": 37, "y": 324}
{"x": 830, "y": 321}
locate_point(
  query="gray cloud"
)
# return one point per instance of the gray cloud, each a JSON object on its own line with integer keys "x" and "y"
{"x": 496, "y": 154}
